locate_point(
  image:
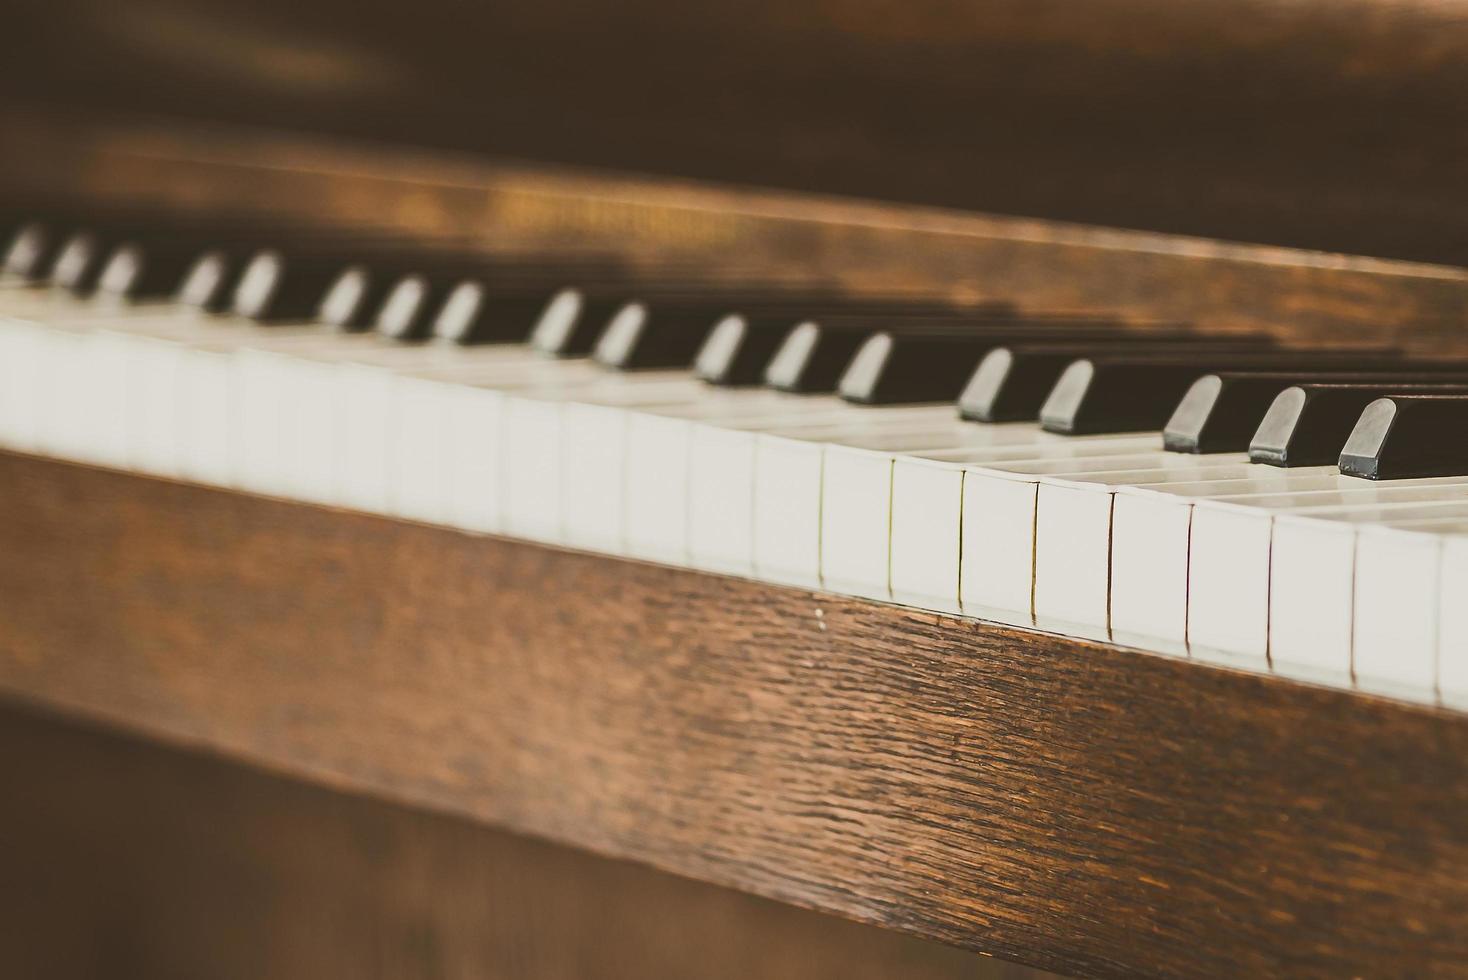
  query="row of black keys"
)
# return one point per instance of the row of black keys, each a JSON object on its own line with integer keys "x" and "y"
{"x": 1074, "y": 373}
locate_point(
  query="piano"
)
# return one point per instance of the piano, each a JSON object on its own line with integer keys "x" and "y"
{"x": 736, "y": 491}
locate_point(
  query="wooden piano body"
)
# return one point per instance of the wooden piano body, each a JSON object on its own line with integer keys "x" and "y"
{"x": 448, "y": 697}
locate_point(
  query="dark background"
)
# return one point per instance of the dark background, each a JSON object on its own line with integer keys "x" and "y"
{"x": 1339, "y": 125}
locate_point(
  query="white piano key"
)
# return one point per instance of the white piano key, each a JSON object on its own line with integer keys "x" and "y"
{"x": 856, "y": 496}
{"x": 474, "y": 432}
{"x": 20, "y": 359}
{"x": 1229, "y": 570}
{"x": 104, "y": 399}
{"x": 721, "y": 500}
{"x": 1312, "y": 567}
{"x": 544, "y": 483}
{"x": 927, "y": 518}
{"x": 998, "y": 558}
{"x": 723, "y": 510}
{"x": 151, "y": 375}
{"x": 718, "y": 536}
{"x": 1074, "y": 533}
{"x": 1149, "y": 549}
{"x": 856, "y": 528}
{"x": 927, "y": 508}
{"x": 1452, "y": 637}
{"x": 593, "y": 486}
{"x": 787, "y": 510}
{"x": 1072, "y": 560}
{"x": 653, "y": 477}
{"x": 361, "y": 402}
{"x": 531, "y": 468}
{"x": 1003, "y": 585}
{"x": 656, "y": 501}
{"x": 1149, "y": 570}
{"x": 58, "y": 420}
{"x": 259, "y": 464}
{"x": 1312, "y": 597}
{"x": 309, "y": 430}
{"x": 418, "y": 464}
{"x": 206, "y": 404}
{"x": 1395, "y": 611}
{"x": 1228, "y": 584}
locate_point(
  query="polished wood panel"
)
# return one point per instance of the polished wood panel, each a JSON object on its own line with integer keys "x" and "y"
{"x": 1334, "y": 124}
{"x": 125, "y": 860}
{"x": 1068, "y": 805}
{"x": 864, "y": 248}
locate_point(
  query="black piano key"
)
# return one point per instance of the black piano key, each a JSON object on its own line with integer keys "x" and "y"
{"x": 156, "y": 261}
{"x": 1402, "y": 437}
{"x": 667, "y": 312}
{"x": 211, "y": 280}
{"x": 80, "y": 260}
{"x": 894, "y": 368}
{"x": 275, "y": 286}
{"x": 740, "y": 348}
{"x": 138, "y": 271}
{"x": 926, "y": 360}
{"x": 816, "y": 353}
{"x": 492, "y": 310}
{"x": 1140, "y": 393}
{"x": 31, "y": 253}
{"x": 572, "y": 321}
{"x": 806, "y": 350}
{"x": 1012, "y": 382}
{"x": 661, "y": 334}
{"x": 412, "y": 306}
{"x": 813, "y": 356}
{"x": 291, "y": 284}
{"x": 1222, "y": 412}
{"x": 354, "y": 298}
{"x": 1308, "y": 424}
{"x": 643, "y": 336}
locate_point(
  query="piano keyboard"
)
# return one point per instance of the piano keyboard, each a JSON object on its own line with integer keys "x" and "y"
{"x": 1303, "y": 512}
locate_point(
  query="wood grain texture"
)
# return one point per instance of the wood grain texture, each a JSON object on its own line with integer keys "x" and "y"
{"x": 127, "y": 860}
{"x": 1330, "y": 124}
{"x": 1067, "y": 805}
{"x": 865, "y": 248}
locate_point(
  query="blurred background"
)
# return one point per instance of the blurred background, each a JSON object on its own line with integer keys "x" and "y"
{"x": 1330, "y": 124}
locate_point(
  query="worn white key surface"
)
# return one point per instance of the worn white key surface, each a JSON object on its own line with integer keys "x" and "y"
{"x": 1452, "y": 637}
{"x": 1396, "y": 595}
{"x": 926, "y": 554}
{"x": 1312, "y": 568}
{"x": 1150, "y": 549}
{"x": 927, "y": 561}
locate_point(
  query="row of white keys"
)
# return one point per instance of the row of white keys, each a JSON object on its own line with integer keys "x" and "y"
{"x": 863, "y": 522}
{"x": 1318, "y": 619}
{"x": 643, "y": 469}
{"x": 1150, "y": 547}
{"x": 1059, "y": 578}
{"x": 931, "y": 563}
{"x": 824, "y": 506}
{"x": 181, "y": 378}
{"x": 1247, "y": 600}
{"x": 809, "y": 511}
{"x": 685, "y": 494}
{"x": 797, "y": 496}
{"x": 1410, "y": 620}
{"x": 755, "y": 491}
{"x": 1192, "y": 568}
